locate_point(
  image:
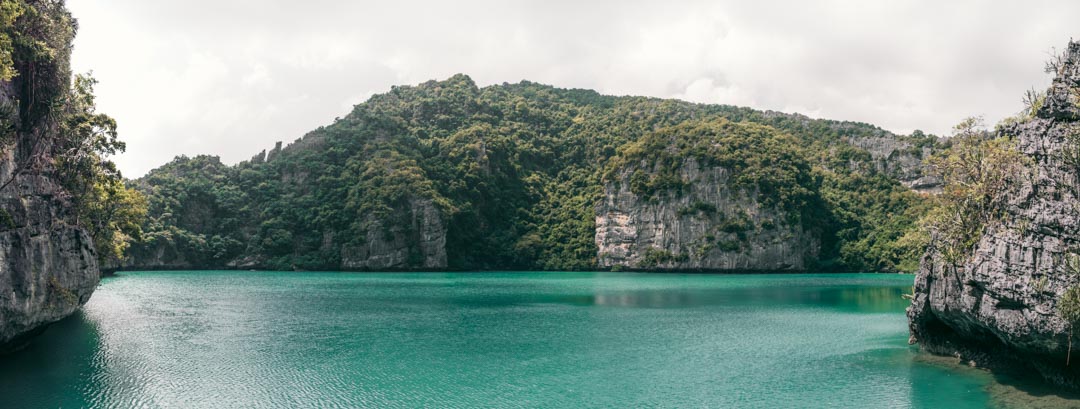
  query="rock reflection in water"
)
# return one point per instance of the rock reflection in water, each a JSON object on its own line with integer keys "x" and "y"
{"x": 858, "y": 298}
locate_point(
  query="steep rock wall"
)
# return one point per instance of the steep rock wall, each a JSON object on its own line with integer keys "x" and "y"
{"x": 901, "y": 159}
{"x": 418, "y": 243}
{"x": 414, "y": 238}
{"x": 1000, "y": 305}
{"x": 710, "y": 227}
{"x": 48, "y": 267}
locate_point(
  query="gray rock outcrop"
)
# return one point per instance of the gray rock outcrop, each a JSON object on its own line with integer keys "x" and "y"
{"x": 411, "y": 238}
{"x": 48, "y": 267}
{"x": 417, "y": 243}
{"x": 999, "y": 306}
{"x": 710, "y": 227}
{"x": 900, "y": 158}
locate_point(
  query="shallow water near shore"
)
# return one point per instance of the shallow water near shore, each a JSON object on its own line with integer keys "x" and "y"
{"x": 276, "y": 339}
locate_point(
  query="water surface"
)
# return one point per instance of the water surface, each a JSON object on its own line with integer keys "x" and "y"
{"x": 465, "y": 340}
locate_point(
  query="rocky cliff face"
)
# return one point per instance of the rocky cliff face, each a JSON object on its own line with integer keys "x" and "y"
{"x": 1000, "y": 305}
{"x": 415, "y": 244}
{"x": 708, "y": 227}
{"x": 418, "y": 243}
{"x": 47, "y": 265}
{"x": 901, "y": 159}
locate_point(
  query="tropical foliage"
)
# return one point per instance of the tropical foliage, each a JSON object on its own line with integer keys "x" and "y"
{"x": 978, "y": 170}
{"x": 56, "y": 118}
{"x": 515, "y": 171}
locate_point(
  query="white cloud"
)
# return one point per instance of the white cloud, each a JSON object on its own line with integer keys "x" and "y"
{"x": 230, "y": 77}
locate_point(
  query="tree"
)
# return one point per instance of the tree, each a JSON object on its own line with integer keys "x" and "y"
{"x": 977, "y": 171}
{"x": 1069, "y": 309}
{"x": 10, "y": 10}
{"x": 109, "y": 210}
{"x": 57, "y": 126}
{"x": 113, "y": 214}
{"x": 35, "y": 38}
{"x": 87, "y": 139}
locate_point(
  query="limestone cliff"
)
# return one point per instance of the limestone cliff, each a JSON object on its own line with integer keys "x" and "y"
{"x": 712, "y": 196}
{"x": 48, "y": 267}
{"x": 410, "y": 235}
{"x": 418, "y": 243}
{"x": 999, "y": 306}
{"x": 711, "y": 226}
{"x": 902, "y": 158}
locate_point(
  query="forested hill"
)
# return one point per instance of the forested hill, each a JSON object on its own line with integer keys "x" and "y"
{"x": 447, "y": 175}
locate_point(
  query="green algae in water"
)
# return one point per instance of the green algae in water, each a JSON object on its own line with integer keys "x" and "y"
{"x": 270, "y": 339}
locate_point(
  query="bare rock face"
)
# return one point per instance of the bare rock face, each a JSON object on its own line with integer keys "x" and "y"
{"x": 48, "y": 267}
{"x": 901, "y": 159}
{"x": 418, "y": 243}
{"x": 711, "y": 227}
{"x": 999, "y": 306}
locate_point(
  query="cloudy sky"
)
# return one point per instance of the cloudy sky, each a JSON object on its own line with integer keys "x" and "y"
{"x": 231, "y": 77}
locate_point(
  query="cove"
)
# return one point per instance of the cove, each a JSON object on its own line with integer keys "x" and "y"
{"x": 535, "y": 339}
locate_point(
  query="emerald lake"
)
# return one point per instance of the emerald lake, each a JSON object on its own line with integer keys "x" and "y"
{"x": 465, "y": 340}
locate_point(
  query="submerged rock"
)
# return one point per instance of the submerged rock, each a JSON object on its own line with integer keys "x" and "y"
{"x": 999, "y": 306}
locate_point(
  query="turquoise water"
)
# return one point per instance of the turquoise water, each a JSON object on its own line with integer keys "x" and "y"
{"x": 465, "y": 340}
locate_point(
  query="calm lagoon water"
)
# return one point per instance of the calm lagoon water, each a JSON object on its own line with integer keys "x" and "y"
{"x": 465, "y": 340}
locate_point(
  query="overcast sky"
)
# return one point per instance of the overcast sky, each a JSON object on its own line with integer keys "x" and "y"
{"x": 231, "y": 77}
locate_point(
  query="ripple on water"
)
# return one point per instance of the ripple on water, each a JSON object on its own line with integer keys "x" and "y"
{"x": 244, "y": 339}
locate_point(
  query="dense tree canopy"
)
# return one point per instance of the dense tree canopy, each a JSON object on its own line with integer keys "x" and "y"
{"x": 516, "y": 171}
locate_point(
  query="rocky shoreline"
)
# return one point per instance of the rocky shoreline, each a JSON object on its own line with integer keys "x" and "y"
{"x": 999, "y": 307}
